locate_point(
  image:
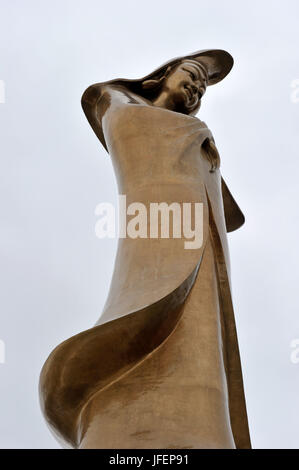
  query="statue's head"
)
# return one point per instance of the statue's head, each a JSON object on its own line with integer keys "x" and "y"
{"x": 180, "y": 84}
{"x": 180, "y": 88}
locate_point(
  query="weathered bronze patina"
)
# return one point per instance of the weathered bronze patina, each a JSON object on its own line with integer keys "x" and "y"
{"x": 161, "y": 368}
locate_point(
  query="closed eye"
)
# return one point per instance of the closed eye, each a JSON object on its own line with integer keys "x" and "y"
{"x": 190, "y": 73}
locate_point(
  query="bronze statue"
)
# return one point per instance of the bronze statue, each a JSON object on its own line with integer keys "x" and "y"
{"x": 161, "y": 368}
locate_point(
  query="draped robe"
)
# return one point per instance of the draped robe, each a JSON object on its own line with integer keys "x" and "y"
{"x": 161, "y": 368}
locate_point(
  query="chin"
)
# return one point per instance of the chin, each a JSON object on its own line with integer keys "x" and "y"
{"x": 194, "y": 109}
{"x": 182, "y": 104}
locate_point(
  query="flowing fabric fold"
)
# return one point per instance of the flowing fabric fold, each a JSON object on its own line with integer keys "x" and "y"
{"x": 92, "y": 360}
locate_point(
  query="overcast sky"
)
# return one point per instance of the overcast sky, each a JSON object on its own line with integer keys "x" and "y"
{"x": 55, "y": 272}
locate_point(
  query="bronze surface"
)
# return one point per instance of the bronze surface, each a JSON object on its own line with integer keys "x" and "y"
{"x": 161, "y": 368}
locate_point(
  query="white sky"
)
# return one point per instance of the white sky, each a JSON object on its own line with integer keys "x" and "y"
{"x": 55, "y": 273}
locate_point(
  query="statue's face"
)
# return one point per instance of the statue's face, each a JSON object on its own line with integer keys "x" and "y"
{"x": 185, "y": 86}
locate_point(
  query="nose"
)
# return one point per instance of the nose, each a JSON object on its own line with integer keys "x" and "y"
{"x": 198, "y": 89}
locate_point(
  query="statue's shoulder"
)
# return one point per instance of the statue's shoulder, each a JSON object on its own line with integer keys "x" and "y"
{"x": 110, "y": 103}
{"x": 103, "y": 95}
